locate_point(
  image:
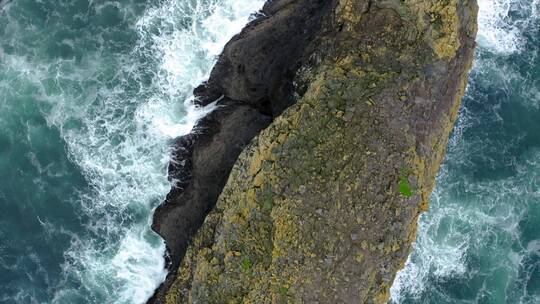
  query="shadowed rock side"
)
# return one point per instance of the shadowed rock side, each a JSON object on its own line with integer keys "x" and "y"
{"x": 322, "y": 205}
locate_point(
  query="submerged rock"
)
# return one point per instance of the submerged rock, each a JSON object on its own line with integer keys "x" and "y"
{"x": 355, "y": 100}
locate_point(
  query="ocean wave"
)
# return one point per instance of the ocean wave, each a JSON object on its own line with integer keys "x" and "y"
{"x": 117, "y": 113}
{"x": 502, "y": 24}
{"x": 130, "y": 148}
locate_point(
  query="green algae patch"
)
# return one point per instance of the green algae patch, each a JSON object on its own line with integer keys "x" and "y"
{"x": 283, "y": 291}
{"x": 246, "y": 264}
{"x": 405, "y": 187}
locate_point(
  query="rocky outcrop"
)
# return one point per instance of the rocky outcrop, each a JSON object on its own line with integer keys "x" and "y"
{"x": 335, "y": 115}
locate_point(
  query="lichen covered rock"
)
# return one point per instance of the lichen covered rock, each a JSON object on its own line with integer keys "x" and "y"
{"x": 322, "y": 206}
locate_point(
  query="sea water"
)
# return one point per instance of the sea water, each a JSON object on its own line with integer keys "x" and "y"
{"x": 91, "y": 94}
{"x": 480, "y": 241}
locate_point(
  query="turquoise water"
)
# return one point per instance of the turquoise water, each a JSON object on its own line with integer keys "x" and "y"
{"x": 480, "y": 242}
{"x": 91, "y": 94}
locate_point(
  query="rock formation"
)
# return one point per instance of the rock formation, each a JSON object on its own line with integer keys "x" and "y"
{"x": 309, "y": 178}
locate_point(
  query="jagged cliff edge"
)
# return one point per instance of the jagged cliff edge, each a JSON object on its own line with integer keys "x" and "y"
{"x": 335, "y": 115}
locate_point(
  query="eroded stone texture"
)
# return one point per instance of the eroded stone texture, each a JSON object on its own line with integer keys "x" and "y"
{"x": 322, "y": 206}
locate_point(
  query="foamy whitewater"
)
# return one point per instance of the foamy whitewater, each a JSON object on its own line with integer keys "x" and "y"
{"x": 91, "y": 94}
{"x": 480, "y": 241}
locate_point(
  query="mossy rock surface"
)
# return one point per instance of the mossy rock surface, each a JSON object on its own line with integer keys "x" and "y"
{"x": 322, "y": 205}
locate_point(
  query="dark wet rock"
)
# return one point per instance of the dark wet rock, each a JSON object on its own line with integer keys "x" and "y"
{"x": 201, "y": 166}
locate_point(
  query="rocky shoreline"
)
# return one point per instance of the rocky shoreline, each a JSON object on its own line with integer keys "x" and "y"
{"x": 333, "y": 117}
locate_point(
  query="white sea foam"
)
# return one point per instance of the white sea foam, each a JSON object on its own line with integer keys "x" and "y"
{"x": 455, "y": 229}
{"x": 127, "y": 156}
{"x": 119, "y": 135}
{"x": 188, "y": 52}
{"x": 501, "y": 23}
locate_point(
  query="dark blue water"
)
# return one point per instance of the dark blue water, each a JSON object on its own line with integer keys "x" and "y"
{"x": 91, "y": 93}
{"x": 480, "y": 242}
